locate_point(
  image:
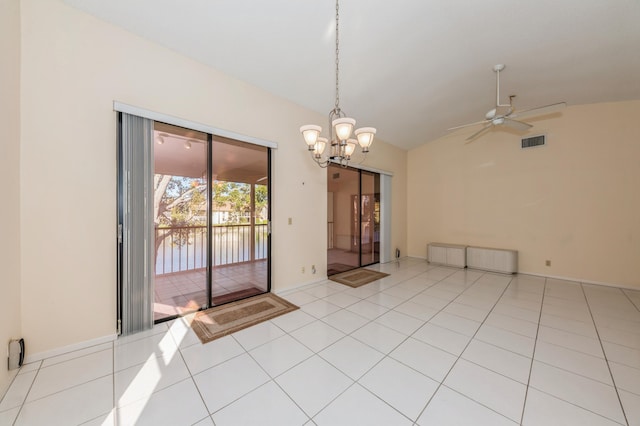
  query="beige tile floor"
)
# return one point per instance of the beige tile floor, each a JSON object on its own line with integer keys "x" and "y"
{"x": 424, "y": 346}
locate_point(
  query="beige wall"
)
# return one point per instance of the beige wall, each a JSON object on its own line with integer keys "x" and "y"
{"x": 10, "y": 178}
{"x": 575, "y": 201}
{"x": 74, "y": 67}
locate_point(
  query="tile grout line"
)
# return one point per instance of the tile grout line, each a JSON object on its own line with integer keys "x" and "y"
{"x": 357, "y": 381}
{"x": 190, "y": 375}
{"x": 465, "y": 348}
{"x": 387, "y": 355}
{"x": 613, "y": 380}
{"x": 630, "y": 300}
{"x": 24, "y": 401}
{"x": 271, "y": 378}
{"x": 369, "y": 321}
{"x": 571, "y": 372}
{"x": 533, "y": 354}
{"x": 13, "y": 379}
{"x": 453, "y": 331}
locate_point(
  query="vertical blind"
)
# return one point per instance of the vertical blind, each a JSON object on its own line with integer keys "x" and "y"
{"x": 136, "y": 223}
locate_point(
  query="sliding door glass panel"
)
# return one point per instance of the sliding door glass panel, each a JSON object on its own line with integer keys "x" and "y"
{"x": 239, "y": 219}
{"x": 343, "y": 227}
{"x": 180, "y": 216}
{"x": 369, "y": 218}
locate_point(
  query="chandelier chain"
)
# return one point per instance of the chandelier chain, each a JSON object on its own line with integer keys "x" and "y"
{"x": 339, "y": 143}
{"x": 337, "y": 57}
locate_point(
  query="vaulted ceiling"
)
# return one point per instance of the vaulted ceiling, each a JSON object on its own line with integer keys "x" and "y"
{"x": 411, "y": 68}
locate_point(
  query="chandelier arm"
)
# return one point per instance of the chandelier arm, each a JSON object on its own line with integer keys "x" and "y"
{"x": 324, "y": 164}
{"x": 364, "y": 157}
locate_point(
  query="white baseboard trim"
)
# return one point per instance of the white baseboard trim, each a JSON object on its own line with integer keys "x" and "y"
{"x": 580, "y": 280}
{"x": 69, "y": 348}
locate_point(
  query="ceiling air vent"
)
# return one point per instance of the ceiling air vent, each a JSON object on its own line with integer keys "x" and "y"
{"x": 533, "y": 141}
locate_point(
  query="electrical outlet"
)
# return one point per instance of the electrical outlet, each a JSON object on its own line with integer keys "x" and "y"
{"x": 313, "y": 269}
{"x": 547, "y": 262}
{"x": 303, "y": 269}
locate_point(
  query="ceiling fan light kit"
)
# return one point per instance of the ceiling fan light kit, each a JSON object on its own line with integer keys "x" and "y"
{"x": 504, "y": 114}
{"x": 341, "y": 145}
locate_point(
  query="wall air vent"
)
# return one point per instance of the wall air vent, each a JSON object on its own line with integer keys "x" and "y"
{"x": 534, "y": 141}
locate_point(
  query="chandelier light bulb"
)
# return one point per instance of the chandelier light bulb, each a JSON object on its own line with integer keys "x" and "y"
{"x": 344, "y": 127}
{"x": 349, "y": 148}
{"x": 319, "y": 147}
{"x": 365, "y": 137}
{"x": 310, "y": 132}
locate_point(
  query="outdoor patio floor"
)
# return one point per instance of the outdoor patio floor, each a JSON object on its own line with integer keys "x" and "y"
{"x": 182, "y": 292}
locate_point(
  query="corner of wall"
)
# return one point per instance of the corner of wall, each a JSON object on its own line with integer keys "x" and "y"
{"x": 10, "y": 46}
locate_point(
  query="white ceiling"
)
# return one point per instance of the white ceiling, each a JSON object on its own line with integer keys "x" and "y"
{"x": 411, "y": 68}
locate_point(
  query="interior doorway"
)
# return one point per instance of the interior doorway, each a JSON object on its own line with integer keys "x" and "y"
{"x": 353, "y": 216}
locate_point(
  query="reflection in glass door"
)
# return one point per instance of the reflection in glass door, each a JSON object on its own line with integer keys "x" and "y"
{"x": 353, "y": 212}
{"x": 211, "y": 213}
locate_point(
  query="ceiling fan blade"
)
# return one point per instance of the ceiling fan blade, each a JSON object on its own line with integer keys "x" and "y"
{"x": 478, "y": 133}
{"x": 518, "y": 125}
{"x": 468, "y": 125}
{"x": 547, "y": 109}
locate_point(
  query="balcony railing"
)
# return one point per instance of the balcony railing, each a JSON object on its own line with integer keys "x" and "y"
{"x": 184, "y": 248}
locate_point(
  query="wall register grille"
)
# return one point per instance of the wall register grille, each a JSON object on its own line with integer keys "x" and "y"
{"x": 534, "y": 141}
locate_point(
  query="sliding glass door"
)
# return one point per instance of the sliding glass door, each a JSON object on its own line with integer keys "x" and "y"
{"x": 353, "y": 213}
{"x": 193, "y": 213}
{"x": 211, "y": 212}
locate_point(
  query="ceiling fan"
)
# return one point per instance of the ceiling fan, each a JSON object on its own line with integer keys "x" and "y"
{"x": 504, "y": 114}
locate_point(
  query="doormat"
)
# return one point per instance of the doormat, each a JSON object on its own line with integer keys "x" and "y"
{"x": 358, "y": 277}
{"x": 223, "y": 320}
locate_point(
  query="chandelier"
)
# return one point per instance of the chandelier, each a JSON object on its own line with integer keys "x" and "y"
{"x": 340, "y": 143}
